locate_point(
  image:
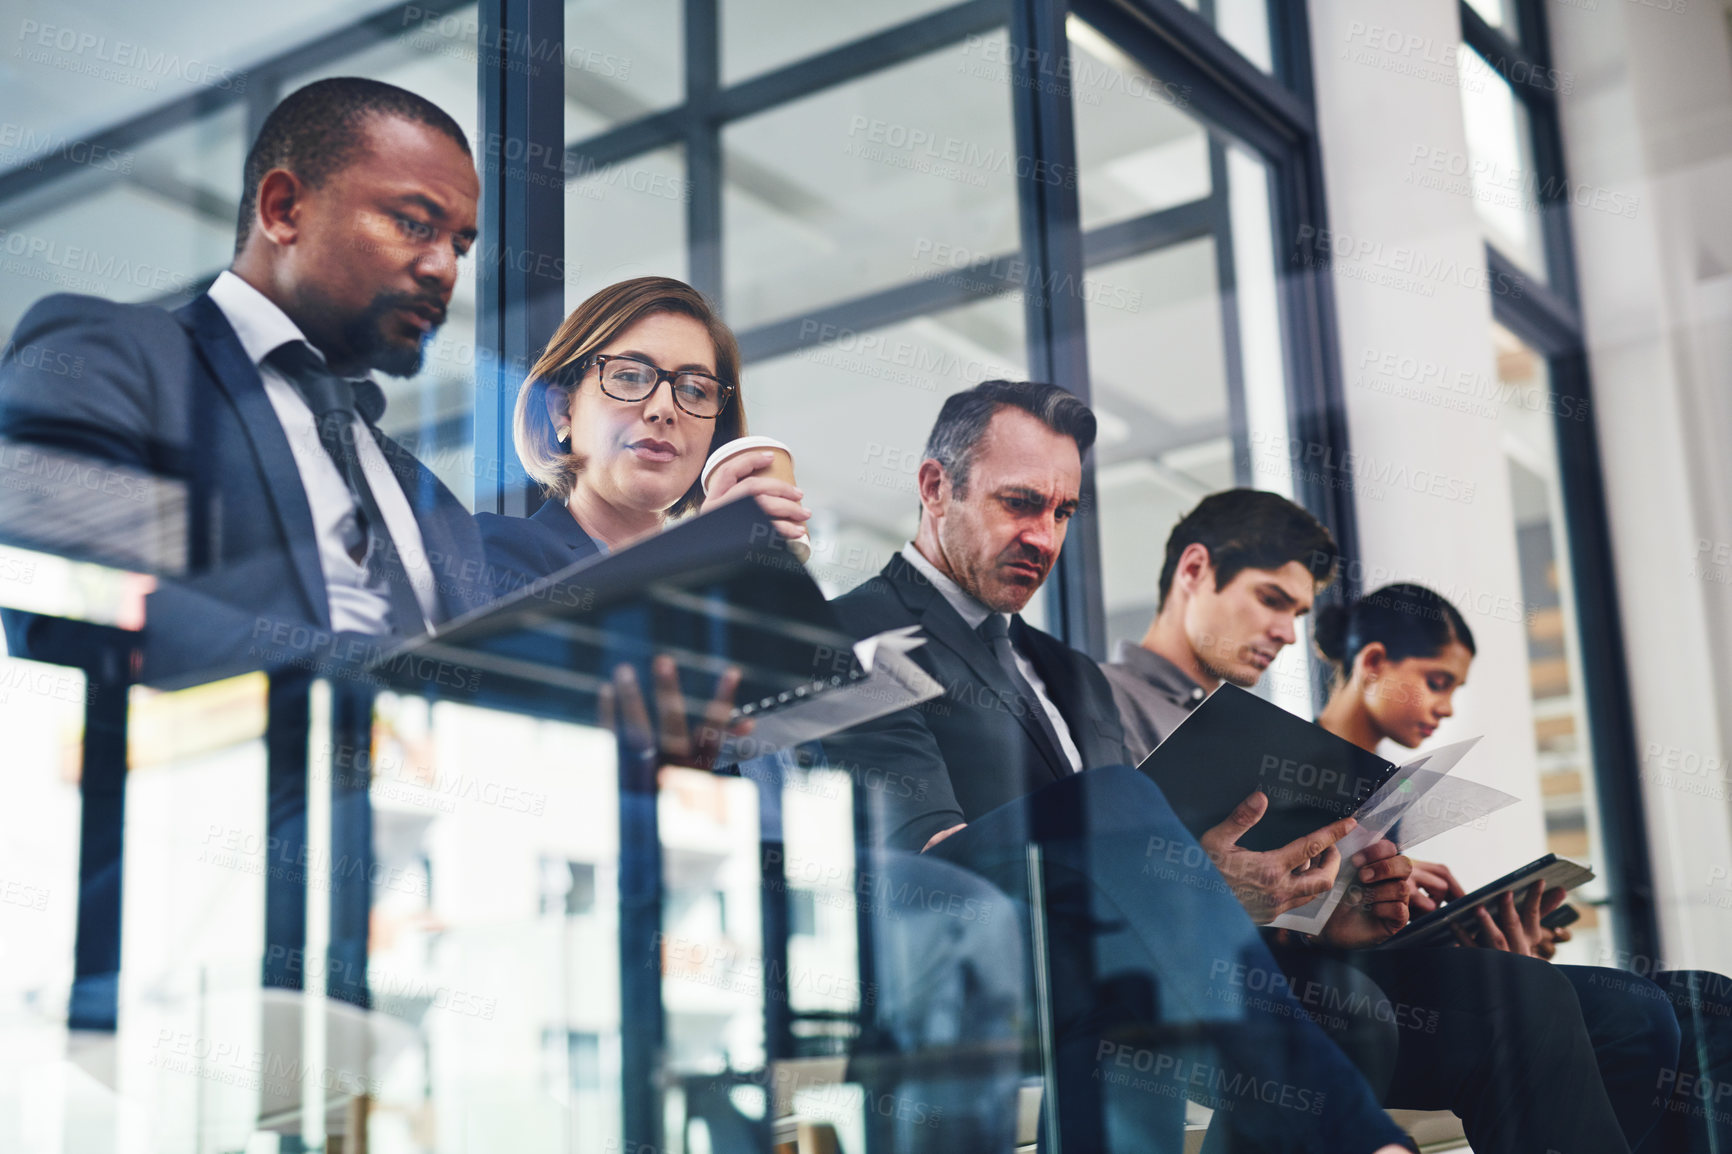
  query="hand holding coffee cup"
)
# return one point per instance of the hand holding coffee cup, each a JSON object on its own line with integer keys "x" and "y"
{"x": 760, "y": 467}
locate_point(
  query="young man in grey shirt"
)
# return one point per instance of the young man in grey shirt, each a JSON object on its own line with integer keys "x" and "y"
{"x": 1500, "y": 1040}
{"x": 1241, "y": 569}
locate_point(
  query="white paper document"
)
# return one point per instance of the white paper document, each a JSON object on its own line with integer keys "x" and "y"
{"x": 1419, "y": 801}
{"x": 893, "y": 681}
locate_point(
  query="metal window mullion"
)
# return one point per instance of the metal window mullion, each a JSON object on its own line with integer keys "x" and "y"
{"x": 1222, "y": 87}
{"x": 703, "y": 141}
{"x": 840, "y": 65}
{"x": 519, "y": 301}
{"x": 1548, "y": 151}
{"x": 139, "y": 130}
{"x": 861, "y": 58}
{"x": 1112, "y": 242}
{"x": 1227, "y": 292}
{"x": 1051, "y": 230}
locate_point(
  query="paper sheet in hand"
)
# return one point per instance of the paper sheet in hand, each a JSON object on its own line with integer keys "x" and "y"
{"x": 893, "y": 681}
{"x": 1235, "y": 743}
{"x": 1408, "y": 791}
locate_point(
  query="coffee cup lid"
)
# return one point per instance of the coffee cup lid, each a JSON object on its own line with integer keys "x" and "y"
{"x": 738, "y": 445}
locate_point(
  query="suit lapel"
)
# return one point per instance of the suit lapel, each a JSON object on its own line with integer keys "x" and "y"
{"x": 944, "y": 624}
{"x": 236, "y": 375}
{"x": 1056, "y": 664}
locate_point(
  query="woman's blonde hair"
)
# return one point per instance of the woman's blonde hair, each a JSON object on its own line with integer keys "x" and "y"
{"x": 560, "y": 368}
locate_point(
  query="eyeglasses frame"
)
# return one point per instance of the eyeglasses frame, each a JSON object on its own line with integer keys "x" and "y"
{"x": 599, "y": 361}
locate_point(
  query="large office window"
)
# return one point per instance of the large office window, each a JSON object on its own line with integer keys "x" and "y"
{"x": 1583, "y": 732}
{"x": 890, "y": 202}
{"x": 101, "y": 198}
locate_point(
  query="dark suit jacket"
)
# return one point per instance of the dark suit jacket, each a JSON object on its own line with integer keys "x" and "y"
{"x": 175, "y": 395}
{"x": 959, "y": 756}
{"x": 524, "y": 549}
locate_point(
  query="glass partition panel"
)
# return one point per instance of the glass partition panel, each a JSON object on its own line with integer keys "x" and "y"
{"x": 499, "y": 943}
{"x": 1160, "y": 391}
{"x": 1137, "y": 150}
{"x": 887, "y": 384}
{"x": 1526, "y": 415}
{"x": 198, "y": 1055}
{"x": 1242, "y": 23}
{"x": 148, "y": 224}
{"x": 624, "y": 220}
{"x": 1502, "y": 180}
{"x": 623, "y": 60}
{"x": 41, "y": 713}
{"x": 761, "y": 35}
{"x": 867, "y": 186}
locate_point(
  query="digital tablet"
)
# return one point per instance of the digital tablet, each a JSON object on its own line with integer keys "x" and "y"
{"x": 1433, "y": 929}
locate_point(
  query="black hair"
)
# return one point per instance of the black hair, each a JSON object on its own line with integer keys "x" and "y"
{"x": 1250, "y": 529}
{"x": 1410, "y": 621}
{"x": 317, "y": 130}
{"x": 963, "y": 420}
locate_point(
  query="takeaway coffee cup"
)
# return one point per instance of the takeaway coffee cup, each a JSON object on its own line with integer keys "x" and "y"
{"x": 781, "y": 468}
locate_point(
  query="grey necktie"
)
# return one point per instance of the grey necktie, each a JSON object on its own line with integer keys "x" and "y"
{"x": 996, "y": 631}
{"x": 336, "y": 402}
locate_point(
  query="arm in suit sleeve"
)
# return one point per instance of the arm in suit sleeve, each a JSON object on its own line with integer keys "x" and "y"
{"x": 899, "y": 771}
{"x": 76, "y": 379}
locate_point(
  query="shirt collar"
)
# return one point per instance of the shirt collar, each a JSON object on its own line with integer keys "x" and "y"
{"x": 1169, "y": 679}
{"x": 971, "y": 611}
{"x": 261, "y": 326}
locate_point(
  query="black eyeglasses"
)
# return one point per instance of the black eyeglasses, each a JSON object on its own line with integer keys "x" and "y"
{"x": 629, "y": 379}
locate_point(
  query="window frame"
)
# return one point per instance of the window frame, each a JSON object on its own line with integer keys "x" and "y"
{"x": 1548, "y": 317}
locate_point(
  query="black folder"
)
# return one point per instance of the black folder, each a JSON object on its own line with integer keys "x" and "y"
{"x": 1235, "y": 743}
{"x": 714, "y": 591}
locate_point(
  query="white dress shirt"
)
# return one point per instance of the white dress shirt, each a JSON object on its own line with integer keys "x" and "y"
{"x": 355, "y": 605}
{"x": 973, "y": 613}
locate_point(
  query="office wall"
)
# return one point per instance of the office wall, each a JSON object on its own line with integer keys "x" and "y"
{"x": 1649, "y": 116}
{"x": 1431, "y": 481}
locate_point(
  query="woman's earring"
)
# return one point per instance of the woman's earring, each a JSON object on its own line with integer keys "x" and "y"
{"x": 564, "y": 435}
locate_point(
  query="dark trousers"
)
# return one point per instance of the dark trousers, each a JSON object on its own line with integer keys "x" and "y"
{"x": 1499, "y": 1040}
{"x": 1635, "y": 1036}
{"x": 1161, "y": 989}
{"x": 1695, "y": 1097}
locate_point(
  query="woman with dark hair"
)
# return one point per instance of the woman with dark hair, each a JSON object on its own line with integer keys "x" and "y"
{"x": 1400, "y": 653}
{"x": 616, "y": 454}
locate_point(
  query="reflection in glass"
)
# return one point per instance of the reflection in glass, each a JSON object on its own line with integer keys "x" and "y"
{"x": 1242, "y": 23}
{"x": 1503, "y": 182}
{"x": 625, "y": 220}
{"x": 498, "y": 937}
{"x": 152, "y": 225}
{"x": 197, "y": 856}
{"x": 622, "y": 61}
{"x": 42, "y": 715}
{"x": 1137, "y": 150}
{"x": 1160, "y": 391}
{"x": 859, "y": 472}
{"x": 905, "y": 174}
{"x": 759, "y": 35}
{"x": 1526, "y": 416}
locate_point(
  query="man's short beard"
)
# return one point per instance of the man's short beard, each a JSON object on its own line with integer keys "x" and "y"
{"x": 364, "y": 334}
